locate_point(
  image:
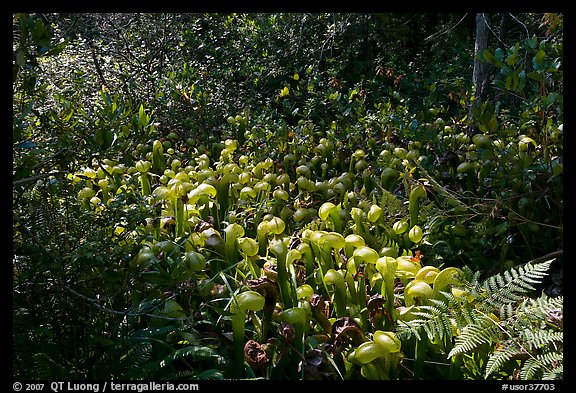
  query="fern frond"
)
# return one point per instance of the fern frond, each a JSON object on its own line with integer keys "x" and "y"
{"x": 473, "y": 277}
{"x": 484, "y": 330}
{"x": 542, "y": 307}
{"x": 463, "y": 314}
{"x": 390, "y": 203}
{"x": 407, "y": 329}
{"x": 137, "y": 355}
{"x": 48, "y": 368}
{"x": 196, "y": 353}
{"x": 554, "y": 374}
{"x": 511, "y": 285}
{"x": 317, "y": 225}
{"x": 501, "y": 312}
{"x": 544, "y": 364}
{"x": 507, "y": 311}
{"x": 536, "y": 339}
{"x": 46, "y": 221}
{"x": 500, "y": 357}
{"x": 434, "y": 320}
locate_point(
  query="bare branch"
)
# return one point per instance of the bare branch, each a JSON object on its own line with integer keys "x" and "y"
{"x": 37, "y": 177}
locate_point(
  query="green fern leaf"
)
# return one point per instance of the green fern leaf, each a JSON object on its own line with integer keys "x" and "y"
{"x": 511, "y": 285}
{"x": 197, "y": 353}
{"x": 541, "y": 338}
{"x": 500, "y": 357}
{"x": 483, "y": 331}
{"x": 554, "y": 374}
{"x": 543, "y": 366}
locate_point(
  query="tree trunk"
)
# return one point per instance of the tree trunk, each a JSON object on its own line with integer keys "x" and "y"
{"x": 480, "y": 67}
{"x": 480, "y": 72}
{"x": 483, "y": 72}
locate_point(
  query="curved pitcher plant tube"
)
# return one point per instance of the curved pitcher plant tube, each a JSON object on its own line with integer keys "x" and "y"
{"x": 418, "y": 192}
{"x": 85, "y": 195}
{"x": 427, "y": 274}
{"x": 299, "y": 320}
{"x": 358, "y": 266}
{"x": 416, "y": 293}
{"x": 379, "y": 357}
{"x": 407, "y": 267}
{"x": 291, "y": 256}
{"x": 179, "y": 186}
{"x": 357, "y": 156}
{"x": 280, "y": 250}
{"x": 266, "y": 228}
{"x": 158, "y": 161}
{"x": 103, "y": 184}
{"x": 353, "y": 241}
{"x": 367, "y": 256}
{"x": 303, "y": 294}
{"x": 374, "y": 213}
{"x": 232, "y": 233}
{"x": 269, "y": 289}
{"x": 304, "y": 291}
{"x": 336, "y": 279}
{"x": 280, "y": 197}
{"x": 446, "y": 279}
{"x": 144, "y": 167}
{"x": 249, "y": 248}
{"x": 248, "y": 193}
{"x": 239, "y": 307}
{"x": 201, "y": 196}
{"x": 392, "y": 345}
{"x": 323, "y": 243}
{"x": 308, "y": 256}
{"x": 319, "y": 305}
{"x": 332, "y": 211}
{"x": 359, "y": 218}
{"x": 329, "y": 243}
{"x": 387, "y": 266}
{"x": 222, "y": 186}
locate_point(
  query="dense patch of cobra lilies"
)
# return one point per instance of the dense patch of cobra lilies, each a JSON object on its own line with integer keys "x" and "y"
{"x": 316, "y": 253}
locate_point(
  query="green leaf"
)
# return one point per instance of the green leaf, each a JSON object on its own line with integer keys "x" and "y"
{"x": 21, "y": 58}
{"x": 499, "y": 84}
{"x": 141, "y": 111}
{"x": 103, "y": 138}
{"x": 536, "y": 76}
{"x": 513, "y": 58}
{"x": 493, "y": 124}
{"x": 521, "y": 81}
{"x": 539, "y": 58}
{"x": 531, "y": 43}
{"x": 552, "y": 97}
{"x": 499, "y": 54}
{"x": 489, "y": 57}
{"x": 58, "y": 48}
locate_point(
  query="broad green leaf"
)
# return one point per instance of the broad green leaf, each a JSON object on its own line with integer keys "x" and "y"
{"x": 513, "y": 58}
{"x": 488, "y": 56}
{"x": 540, "y": 56}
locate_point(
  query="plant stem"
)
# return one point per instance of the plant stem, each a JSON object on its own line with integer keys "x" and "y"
{"x": 279, "y": 249}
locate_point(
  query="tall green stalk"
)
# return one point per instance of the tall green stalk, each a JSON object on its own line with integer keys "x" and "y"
{"x": 336, "y": 278}
{"x": 239, "y": 307}
{"x": 287, "y": 292}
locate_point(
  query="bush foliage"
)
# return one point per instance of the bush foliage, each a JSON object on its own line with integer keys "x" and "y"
{"x": 286, "y": 196}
